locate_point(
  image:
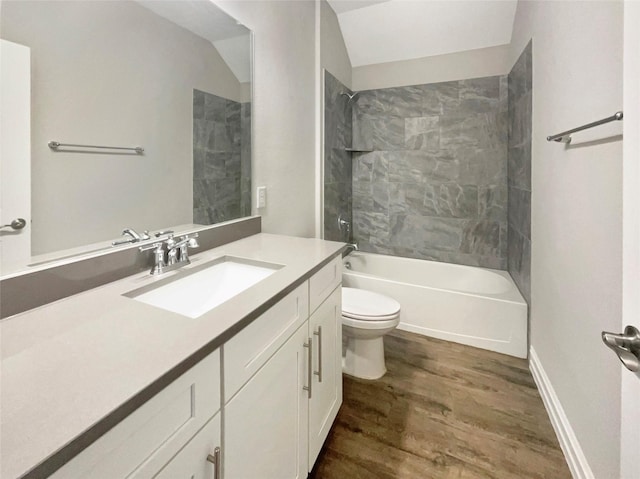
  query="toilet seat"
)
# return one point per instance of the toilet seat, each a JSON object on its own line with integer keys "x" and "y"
{"x": 363, "y": 305}
{"x": 370, "y": 325}
{"x": 370, "y": 318}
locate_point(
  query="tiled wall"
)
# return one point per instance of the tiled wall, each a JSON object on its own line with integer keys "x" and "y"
{"x": 221, "y": 159}
{"x": 435, "y": 186}
{"x": 337, "y": 161}
{"x": 519, "y": 173}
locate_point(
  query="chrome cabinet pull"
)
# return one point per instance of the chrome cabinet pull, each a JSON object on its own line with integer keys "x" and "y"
{"x": 309, "y": 346}
{"x": 319, "y": 371}
{"x": 215, "y": 460}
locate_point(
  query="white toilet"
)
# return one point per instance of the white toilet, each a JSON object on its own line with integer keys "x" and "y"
{"x": 366, "y": 318}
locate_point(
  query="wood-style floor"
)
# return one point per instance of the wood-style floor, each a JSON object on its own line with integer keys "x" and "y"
{"x": 442, "y": 411}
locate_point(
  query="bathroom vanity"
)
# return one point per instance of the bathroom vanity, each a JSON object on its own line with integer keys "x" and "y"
{"x": 103, "y": 385}
{"x": 108, "y": 371}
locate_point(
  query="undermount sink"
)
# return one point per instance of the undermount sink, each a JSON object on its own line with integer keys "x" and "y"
{"x": 201, "y": 289}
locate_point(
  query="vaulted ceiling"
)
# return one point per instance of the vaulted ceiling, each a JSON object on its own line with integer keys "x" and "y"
{"x": 208, "y": 21}
{"x": 381, "y": 31}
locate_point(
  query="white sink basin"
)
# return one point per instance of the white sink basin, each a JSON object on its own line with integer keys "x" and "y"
{"x": 202, "y": 289}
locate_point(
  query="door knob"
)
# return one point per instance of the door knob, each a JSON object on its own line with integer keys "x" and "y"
{"x": 626, "y": 346}
{"x": 16, "y": 224}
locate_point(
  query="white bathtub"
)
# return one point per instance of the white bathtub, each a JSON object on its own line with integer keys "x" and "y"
{"x": 469, "y": 305}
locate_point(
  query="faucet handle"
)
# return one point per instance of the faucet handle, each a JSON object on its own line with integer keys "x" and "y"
{"x": 156, "y": 246}
{"x": 163, "y": 232}
{"x": 186, "y": 242}
{"x": 158, "y": 253}
{"x": 191, "y": 240}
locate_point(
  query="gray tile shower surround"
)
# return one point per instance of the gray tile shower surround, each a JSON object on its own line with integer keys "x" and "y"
{"x": 435, "y": 186}
{"x": 221, "y": 158}
{"x": 519, "y": 172}
{"x": 337, "y": 161}
{"x": 245, "y": 159}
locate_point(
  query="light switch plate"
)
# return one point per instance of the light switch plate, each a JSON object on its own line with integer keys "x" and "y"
{"x": 262, "y": 196}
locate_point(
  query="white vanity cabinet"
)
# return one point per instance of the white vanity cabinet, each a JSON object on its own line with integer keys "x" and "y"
{"x": 145, "y": 443}
{"x": 325, "y": 326}
{"x": 276, "y": 423}
{"x": 200, "y": 458}
{"x": 265, "y": 434}
{"x": 266, "y": 406}
{"x": 262, "y": 404}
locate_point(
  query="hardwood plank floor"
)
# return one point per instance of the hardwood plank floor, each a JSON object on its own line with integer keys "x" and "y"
{"x": 442, "y": 411}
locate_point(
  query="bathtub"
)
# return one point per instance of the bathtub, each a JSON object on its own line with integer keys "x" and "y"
{"x": 469, "y": 305}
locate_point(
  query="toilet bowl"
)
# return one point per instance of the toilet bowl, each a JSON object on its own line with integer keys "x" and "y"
{"x": 366, "y": 318}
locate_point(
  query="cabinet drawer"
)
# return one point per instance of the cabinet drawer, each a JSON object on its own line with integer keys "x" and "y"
{"x": 192, "y": 462}
{"x": 150, "y": 436}
{"x": 324, "y": 282}
{"x": 248, "y": 350}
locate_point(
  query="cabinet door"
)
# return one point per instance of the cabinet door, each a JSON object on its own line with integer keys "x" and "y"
{"x": 266, "y": 422}
{"x": 142, "y": 443}
{"x": 191, "y": 462}
{"x": 325, "y": 327}
{"x": 247, "y": 351}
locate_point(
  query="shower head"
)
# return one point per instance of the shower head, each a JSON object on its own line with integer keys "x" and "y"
{"x": 352, "y": 96}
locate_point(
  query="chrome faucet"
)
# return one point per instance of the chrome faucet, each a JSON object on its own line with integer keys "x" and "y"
{"x": 176, "y": 253}
{"x": 180, "y": 249}
{"x": 159, "y": 263}
{"x": 184, "y": 244}
{"x": 132, "y": 237}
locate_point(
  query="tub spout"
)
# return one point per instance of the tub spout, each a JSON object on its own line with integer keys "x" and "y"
{"x": 353, "y": 246}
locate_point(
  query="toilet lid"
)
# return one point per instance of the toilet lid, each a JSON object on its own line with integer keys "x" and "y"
{"x": 363, "y": 304}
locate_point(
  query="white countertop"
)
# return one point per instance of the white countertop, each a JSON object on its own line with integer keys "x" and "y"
{"x": 69, "y": 364}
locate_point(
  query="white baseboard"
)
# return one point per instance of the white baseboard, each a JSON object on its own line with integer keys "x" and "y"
{"x": 576, "y": 459}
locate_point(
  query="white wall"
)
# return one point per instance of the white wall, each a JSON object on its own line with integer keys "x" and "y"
{"x": 284, "y": 110}
{"x": 577, "y": 213}
{"x": 478, "y": 63}
{"x": 333, "y": 52}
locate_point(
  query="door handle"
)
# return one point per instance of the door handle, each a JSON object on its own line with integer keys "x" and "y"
{"x": 626, "y": 346}
{"x": 16, "y": 224}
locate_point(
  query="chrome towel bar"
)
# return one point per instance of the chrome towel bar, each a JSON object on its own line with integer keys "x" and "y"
{"x": 55, "y": 145}
{"x": 565, "y": 136}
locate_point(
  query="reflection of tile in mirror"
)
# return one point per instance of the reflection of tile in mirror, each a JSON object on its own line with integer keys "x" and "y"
{"x": 221, "y": 158}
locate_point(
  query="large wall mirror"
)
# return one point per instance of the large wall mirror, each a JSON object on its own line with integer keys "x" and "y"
{"x": 171, "y": 77}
